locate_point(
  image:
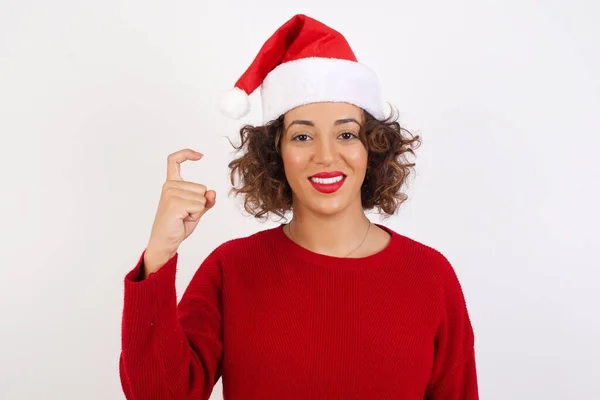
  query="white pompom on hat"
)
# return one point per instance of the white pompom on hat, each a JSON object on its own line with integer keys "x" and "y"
{"x": 304, "y": 62}
{"x": 235, "y": 103}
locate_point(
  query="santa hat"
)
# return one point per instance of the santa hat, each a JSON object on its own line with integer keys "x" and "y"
{"x": 304, "y": 62}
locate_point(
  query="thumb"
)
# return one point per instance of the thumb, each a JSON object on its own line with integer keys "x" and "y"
{"x": 211, "y": 199}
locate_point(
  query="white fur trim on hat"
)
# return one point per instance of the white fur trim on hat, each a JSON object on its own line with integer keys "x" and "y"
{"x": 316, "y": 79}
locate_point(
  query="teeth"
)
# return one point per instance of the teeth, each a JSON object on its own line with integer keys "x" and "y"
{"x": 327, "y": 181}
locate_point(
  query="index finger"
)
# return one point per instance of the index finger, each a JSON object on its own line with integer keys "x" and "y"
{"x": 175, "y": 159}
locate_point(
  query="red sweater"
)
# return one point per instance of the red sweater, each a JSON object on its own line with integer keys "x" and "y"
{"x": 277, "y": 321}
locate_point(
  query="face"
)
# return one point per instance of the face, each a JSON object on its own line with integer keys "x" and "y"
{"x": 325, "y": 163}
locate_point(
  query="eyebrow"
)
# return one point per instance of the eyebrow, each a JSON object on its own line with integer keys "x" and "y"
{"x": 310, "y": 123}
{"x": 346, "y": 121}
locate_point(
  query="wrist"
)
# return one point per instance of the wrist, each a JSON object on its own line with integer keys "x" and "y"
{"x": 154, "y": 260}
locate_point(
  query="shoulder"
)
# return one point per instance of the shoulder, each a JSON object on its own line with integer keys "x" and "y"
{"x": 436, "y": 270}
{"x": 426, "y": 258}
{"x": 245, "y": 247}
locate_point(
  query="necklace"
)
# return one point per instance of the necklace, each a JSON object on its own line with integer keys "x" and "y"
{"x": 356, "y": 248}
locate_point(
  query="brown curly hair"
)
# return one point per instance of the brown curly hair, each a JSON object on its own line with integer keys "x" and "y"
{"x": 259, "y": 175}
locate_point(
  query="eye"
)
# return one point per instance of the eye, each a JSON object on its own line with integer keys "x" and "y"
{"x": 348, "y": 135}
{"x": 301, "y": 137}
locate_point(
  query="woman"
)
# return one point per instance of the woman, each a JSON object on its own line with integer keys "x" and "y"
{"x": 327, "y": 306}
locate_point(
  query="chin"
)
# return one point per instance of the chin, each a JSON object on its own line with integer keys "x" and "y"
{"x": 327, "y": 207}
{"x": 326, "y": 204}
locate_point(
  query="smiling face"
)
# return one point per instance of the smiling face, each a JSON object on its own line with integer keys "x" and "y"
{"x": 324, "y": 160}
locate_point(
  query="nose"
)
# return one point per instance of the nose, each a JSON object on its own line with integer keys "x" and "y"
{"x": 325, "y": 152}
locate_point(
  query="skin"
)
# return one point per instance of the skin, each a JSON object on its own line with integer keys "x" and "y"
{"x": 180, "y": 208}
{"x": 324, "y": 137}
{"x": 318, "y": 137}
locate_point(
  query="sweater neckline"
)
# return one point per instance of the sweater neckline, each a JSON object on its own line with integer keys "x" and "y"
{"x": 293, "y": 249}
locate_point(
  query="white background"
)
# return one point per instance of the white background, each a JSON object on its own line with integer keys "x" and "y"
{"x": 94, "y": 95}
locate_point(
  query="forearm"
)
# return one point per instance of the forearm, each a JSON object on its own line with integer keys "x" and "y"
{"x": 157, "y": 361}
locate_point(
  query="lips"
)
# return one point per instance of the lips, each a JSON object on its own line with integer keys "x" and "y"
{"x": 327, "y": 174}
{"x": 328, "y": 182}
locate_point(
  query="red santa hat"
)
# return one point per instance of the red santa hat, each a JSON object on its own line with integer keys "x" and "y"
{"x": 304, "y": 62}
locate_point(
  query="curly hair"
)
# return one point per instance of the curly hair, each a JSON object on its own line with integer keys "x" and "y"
{"x": 259, "y": 176}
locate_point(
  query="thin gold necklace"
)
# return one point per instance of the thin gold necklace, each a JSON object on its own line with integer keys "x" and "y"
{"x": 357, "y": 247}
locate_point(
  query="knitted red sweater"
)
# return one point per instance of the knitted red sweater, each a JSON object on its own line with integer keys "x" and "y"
{"x": 277, "y": 321}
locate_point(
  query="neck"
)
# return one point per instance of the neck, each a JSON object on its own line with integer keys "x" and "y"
{"x": 335, "y": 235}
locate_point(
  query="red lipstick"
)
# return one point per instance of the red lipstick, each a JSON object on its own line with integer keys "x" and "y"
{"x": 328, "y": 174}
{"x": 328, "y": 182}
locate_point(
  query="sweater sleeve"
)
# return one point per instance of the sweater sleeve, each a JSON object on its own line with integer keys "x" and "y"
{"x": 171, "y": 351}
{"x": 454, "y": 375}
